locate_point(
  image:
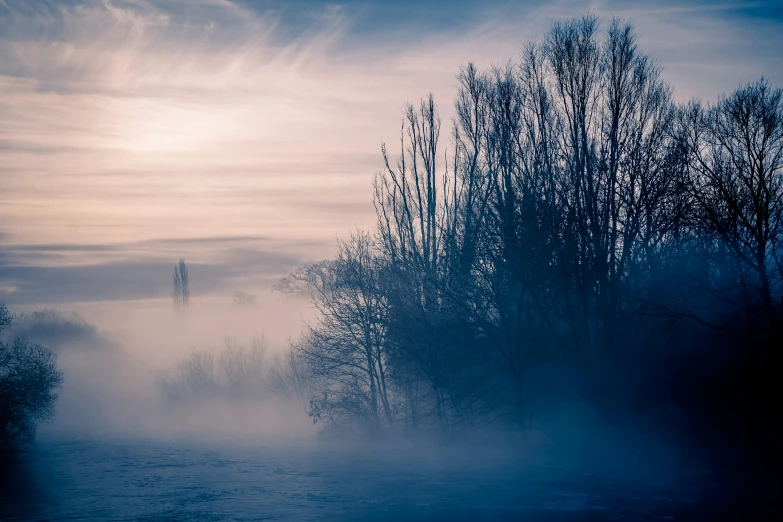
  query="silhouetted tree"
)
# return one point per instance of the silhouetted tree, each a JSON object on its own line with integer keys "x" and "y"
{"x": 418, "y": 216}
{"x": 582, "y": 238}
{"x": 736, "y": 179}
{"x": 345, "y": 349}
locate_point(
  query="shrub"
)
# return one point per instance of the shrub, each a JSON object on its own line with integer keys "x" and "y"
{"x": 244, "y": 298}
{"x": 237, "y": 371}
{"x": 53, "y": 328}
{"x": 289, "y": 376}
{"x": 29, "y": 382}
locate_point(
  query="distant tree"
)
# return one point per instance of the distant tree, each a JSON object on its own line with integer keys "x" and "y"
{"x": 181, "y": 291}
{"x": 29, "y": 380}
{"x": 244, "y": 298}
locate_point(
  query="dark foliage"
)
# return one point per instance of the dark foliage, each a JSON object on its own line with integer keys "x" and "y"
{"x": 29, "y": 381}
{"x": 54, "y": 329}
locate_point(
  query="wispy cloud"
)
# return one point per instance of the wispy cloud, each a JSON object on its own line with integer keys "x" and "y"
{"x": 67, "y": 273}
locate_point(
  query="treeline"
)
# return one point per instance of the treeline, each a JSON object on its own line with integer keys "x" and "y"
{"x": 577, "y": 235}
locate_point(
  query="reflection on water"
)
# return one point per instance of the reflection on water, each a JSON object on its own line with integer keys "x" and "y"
{"x": 154, "y": 480}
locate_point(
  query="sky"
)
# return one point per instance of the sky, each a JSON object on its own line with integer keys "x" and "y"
{"x": 243, "y": 136}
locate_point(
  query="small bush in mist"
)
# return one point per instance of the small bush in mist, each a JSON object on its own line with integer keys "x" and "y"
{"x": 288, "y": 376}
{"x": 6, "y": 319}
{"x": 244, "y": 298}
{"x": 29, "y": 380}
{"x": 53, "y": 328}
{"x": 237, "y": 371}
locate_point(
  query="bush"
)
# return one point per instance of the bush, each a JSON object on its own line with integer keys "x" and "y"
{"x": 237, "y": 371}
{"x": 29, "y": 381}
{"x": 53, "y": 329}
{"x": 244, "y": 298}
{"x": 289, "y": 376}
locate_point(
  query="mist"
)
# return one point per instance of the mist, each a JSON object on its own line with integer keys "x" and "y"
{"x": 112, "y": 374}
{"x": 114, "y": 413}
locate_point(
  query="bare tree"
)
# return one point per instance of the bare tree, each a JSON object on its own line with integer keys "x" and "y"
{"x": 422, "y": 209}
{"x": 576, "y": 219}
{"x": 345, "y": 348}
{"x": 736, "y": 178}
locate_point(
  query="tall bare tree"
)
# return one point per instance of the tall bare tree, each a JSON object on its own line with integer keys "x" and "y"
{"x": 344, "y": 348}
{"x": 736, "y": 178}
{"x": 181, "y": 290}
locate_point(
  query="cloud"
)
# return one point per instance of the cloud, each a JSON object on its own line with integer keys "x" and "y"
{"x": 65, "y": 273}
{"x": 130, "y": 122}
